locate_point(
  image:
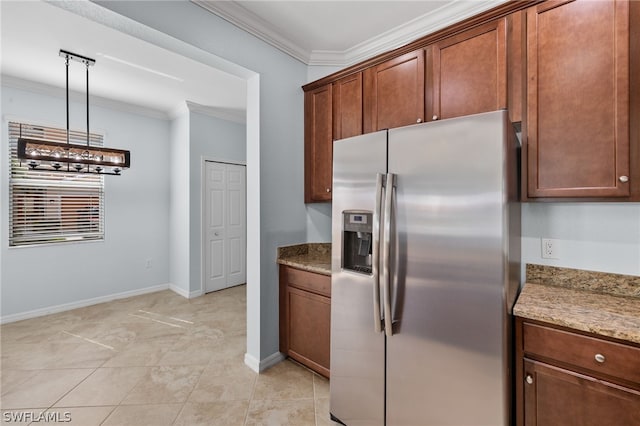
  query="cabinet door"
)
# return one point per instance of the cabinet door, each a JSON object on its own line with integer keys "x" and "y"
{"x": 347, "y": 106}
{"x": 308, "y": 328}
{"x": 318, "y": 148}
{"x": 394, "y": 93}
{"x": 554, "y": 396}
{"x": 469, "y": 72}
{"x": 577, "y": 121}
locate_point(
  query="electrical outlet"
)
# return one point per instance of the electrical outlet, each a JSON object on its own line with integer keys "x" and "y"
{"x": 148, "y": 263}
{"x": 549, "y": 248}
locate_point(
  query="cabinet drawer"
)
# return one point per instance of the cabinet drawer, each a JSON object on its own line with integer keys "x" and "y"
{"x": 316, "y": 283}
{"x": 608, "y": 358}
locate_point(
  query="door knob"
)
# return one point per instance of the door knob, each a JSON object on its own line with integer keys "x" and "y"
{"x": 529, "y": 379}
{"x": 623, "y": 179}
{"x": 328, "y": 189}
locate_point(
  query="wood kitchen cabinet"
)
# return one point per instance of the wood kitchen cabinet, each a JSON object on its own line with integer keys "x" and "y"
{"x": 318, "y": 144}
{"x": 577, "y": 108}
{"x": 394, "y": 92}
{"x": 570, "y": 378}
{"x": 347, "y": 107}
{"x": 305, "y": 317}
{"x": 467, "y": 73}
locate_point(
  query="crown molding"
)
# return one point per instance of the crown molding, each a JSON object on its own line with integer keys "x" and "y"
{"x": 253, "y": 24}
{"x": 401, "y": 35}
{"x": 59, "y": 92}
{"x": 228, "y": 114}
{"x": 442, "y": 17}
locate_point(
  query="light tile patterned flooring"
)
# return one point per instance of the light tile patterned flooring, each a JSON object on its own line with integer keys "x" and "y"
{"x": 156, "y": 359}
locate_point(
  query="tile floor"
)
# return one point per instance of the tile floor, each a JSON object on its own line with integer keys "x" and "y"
{"x": 156, "y": 359}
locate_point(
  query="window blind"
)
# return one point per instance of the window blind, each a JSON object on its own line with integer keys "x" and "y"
{"x": 53, "y": 207}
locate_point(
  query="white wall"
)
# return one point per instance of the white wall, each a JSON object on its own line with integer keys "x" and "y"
{"x": 283, "y": 217}
{"x": 179, "y": 203}
{"x": 594, "y": 236}
{"x": 136, "y": 214}
{"x": 216, "y": 139}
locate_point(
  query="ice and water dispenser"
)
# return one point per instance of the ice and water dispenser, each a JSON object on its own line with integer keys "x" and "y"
{"x": 357, "y": 241}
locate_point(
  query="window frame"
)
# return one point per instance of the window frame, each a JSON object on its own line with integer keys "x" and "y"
{"x": 73, "y": 219}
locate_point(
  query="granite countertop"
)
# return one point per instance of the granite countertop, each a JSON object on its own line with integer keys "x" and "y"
{"x": 312, "y": 257}
{"x": 595, "y": 302}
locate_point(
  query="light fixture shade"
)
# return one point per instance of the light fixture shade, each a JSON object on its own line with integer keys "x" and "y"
{"x": 44, "y": 154}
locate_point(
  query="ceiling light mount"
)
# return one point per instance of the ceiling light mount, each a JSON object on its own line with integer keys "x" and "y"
{"x": 48, "y": 155}
{"x": 75, "y": 57}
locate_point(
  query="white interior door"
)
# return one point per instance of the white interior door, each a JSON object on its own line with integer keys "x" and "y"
{"x": 225, "y": 225}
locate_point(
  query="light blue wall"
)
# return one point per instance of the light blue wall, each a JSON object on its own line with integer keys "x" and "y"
{"x": 283, "y": 215}
{"x": 179, "y": 203}
{"x": 215, "y": 139}
{"x": 136, "y": 214}
{"x": 594, "y": 236}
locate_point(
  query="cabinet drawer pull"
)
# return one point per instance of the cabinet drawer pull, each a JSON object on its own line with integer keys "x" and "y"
{"x": 529, "y": 379}
{"x": 435, "y": 117}
{"x": 623, "y": 179}
{"x": 419, "y": 120}
{"x": 600, "y": 358}
{"x": 328, "y": 189}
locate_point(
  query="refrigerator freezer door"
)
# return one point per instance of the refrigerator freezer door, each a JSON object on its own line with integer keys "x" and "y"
{"x": 357, "y": 349}
{"x": 447, "y": 360}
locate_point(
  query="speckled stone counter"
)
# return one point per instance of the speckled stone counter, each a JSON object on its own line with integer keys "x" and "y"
{"x": 312, "y": 257}
{"x": 603, "y": 304}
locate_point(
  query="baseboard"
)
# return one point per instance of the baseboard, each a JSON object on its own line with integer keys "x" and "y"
{"x": 80, "y": 304}
{"x": 185, "y": 293}
{"x": 265, "y": 364}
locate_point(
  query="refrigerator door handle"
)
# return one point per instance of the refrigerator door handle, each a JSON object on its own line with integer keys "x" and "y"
{"x": 386, "y": 253}
{"x": 375, "y": 255}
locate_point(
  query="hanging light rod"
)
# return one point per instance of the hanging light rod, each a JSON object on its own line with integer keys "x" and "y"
{"x": 47, "y": 155}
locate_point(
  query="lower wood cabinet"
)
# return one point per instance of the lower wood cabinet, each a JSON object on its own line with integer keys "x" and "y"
{"x": 567, "y": 378}
{"x": 305, "y": 317}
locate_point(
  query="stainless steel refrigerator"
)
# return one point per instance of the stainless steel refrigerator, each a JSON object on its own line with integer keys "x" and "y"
{"x": 425, "y": 271}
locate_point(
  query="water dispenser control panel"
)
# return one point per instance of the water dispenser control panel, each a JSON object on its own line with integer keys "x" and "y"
{"x": 357, "y": 238}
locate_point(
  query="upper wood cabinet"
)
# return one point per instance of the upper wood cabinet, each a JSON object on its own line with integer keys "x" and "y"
{"x": 318, "y": 144}
{"x": 577, "y": 109}
{"x": 347, "y": 107}
{"x": 467, "y": 73}
{"x": 394, "y": 92}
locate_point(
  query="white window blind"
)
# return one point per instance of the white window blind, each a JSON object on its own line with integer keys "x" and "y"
{"x": 52, "y": 207}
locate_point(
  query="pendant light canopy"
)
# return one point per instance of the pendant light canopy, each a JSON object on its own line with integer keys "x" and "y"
{"x": 43, "y": 154}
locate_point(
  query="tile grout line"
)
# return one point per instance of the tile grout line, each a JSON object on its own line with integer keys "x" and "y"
{"x": 253, "y": 392}
{"x": 189, "y": 396}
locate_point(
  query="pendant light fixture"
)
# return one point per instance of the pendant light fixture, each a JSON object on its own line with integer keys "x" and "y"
{"x": 68, "y": 157}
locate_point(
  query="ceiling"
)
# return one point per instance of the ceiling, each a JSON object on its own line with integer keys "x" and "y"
{"x": 341, "y": 33}
{"x": 135, "y": 72}
{"x": 127, "y": 69}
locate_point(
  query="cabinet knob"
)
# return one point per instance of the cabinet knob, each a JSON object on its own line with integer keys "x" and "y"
{"x": 435, "y": 117}
{"x": 328, "y": 189}
{"x": 529, "y": 379}
{"x": 419, "y": 120}
{"x": 623, "y": 179}
{"x": 600, "y": 358}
